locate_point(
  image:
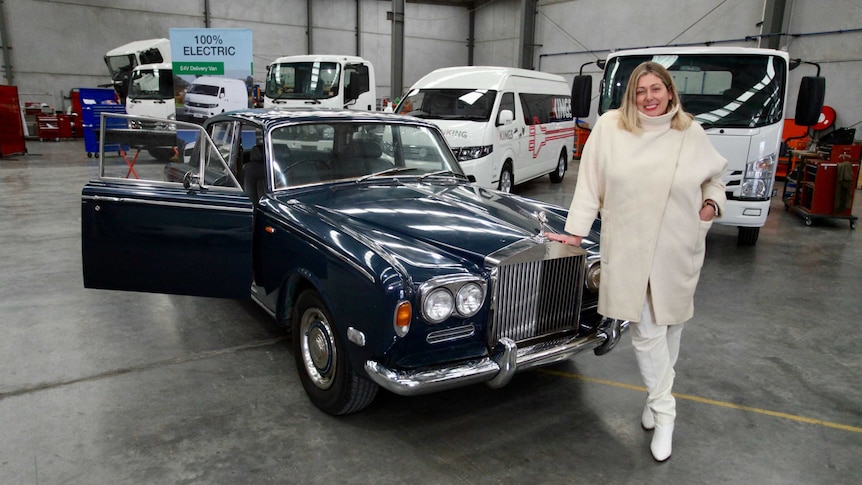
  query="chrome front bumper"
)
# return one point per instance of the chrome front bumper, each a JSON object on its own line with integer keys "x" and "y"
{"x": 498, "y": 368}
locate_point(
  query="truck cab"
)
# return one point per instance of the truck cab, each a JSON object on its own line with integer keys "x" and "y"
{"x": 739, "y": 96}
{"x": 320, "y": 81}
{"x": 122, "y": 60}
{"x": 151, "y": 92}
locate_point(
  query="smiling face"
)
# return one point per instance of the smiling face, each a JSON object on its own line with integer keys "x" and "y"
{"x": 652, "y": 96}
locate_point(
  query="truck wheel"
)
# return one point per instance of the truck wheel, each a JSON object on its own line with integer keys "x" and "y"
{"x": 507, "y": 178}
{"x": 161, "y": 154}
{"x": 747, "y": 236}
{"x": 322, "y": 362}
{"x": 558, "y": 174}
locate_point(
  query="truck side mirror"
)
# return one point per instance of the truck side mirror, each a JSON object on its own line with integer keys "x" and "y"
{"x": 809, "y": 103}
{"x": 506, "y": 117}
{"x": 582, "y": 92}
{"x": 351, "y": 92}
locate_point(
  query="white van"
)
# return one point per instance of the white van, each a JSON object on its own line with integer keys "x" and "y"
{"x": 208, "y": 96}
{"x": 505, "y": 125}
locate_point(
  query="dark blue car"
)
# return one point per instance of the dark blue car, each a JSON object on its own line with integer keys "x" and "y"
{"x": 360, "y": 233}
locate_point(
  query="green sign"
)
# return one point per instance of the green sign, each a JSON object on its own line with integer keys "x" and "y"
{"x": 199, "y": 68}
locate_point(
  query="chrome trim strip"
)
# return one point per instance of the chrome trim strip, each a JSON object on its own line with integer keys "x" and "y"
{"x": 160, "y": 203}
{"x": 451, "y": 334}
{"x": 496, "y": 369}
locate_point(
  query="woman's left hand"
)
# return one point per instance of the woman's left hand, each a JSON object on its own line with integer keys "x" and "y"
{"x": 707, "y": 213}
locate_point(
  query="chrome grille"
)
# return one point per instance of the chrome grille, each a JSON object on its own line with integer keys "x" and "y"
{"x": 536, "y": 291}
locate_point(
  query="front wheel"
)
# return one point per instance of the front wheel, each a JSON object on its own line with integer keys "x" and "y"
{"x": 747, "y": 236}
{"x": 507, "y": 178}
{"x": 322, "y": 362}
{"x": 558, "y": 174}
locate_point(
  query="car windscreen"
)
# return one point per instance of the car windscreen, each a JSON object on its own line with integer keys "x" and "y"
{"x": 720, "y": 90}
{"x": 449, "y": 104}
{"x": 322, "y": 152}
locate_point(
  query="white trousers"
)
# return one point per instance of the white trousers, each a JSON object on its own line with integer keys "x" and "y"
{"x": 656, "y": 349}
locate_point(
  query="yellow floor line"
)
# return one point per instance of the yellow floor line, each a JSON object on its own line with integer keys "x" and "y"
{"x": 713, "y": 402}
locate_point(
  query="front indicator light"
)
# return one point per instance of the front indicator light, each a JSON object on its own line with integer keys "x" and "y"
{"x": 403, "y": 315}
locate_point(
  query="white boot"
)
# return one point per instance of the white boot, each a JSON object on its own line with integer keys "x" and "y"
{"x": 647, "y": 419}
{"x": 661, "y": 441}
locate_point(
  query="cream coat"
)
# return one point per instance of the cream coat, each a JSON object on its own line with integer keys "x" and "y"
{"x": 649, "y": 189}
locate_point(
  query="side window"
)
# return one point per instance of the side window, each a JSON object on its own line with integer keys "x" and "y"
{"x": 546, "y": 108}
{"x": 220, "y": 161}
{"x": 138, "y": 150}
{"x": 507, "y": 102}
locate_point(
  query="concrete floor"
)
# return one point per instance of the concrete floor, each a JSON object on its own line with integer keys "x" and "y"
{"x": 113, "y": 387}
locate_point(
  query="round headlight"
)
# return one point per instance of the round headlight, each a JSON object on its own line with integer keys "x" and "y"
{"x": 469, "y": 299}
{"x": 594, "y": 272}
{"x": 438, "y": 305}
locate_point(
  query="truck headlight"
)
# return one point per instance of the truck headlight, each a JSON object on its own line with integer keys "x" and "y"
{"x": 471, "y": 153}
{"x": 758, "y": 178}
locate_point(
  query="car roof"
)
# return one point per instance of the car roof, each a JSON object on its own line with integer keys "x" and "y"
{"x": 267, "y": 118}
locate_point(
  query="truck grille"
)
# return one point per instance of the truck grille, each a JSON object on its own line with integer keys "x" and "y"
{"x": 536, "y": 291}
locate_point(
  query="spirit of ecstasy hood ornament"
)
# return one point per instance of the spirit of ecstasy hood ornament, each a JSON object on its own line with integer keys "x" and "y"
{"x": 542, "y": 217}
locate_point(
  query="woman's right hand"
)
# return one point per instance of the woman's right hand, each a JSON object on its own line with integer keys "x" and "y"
{"x": 565, "y": 238}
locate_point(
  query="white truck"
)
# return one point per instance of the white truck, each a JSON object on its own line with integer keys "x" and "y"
{"x": 122, "y": 60}
{"x": 151, "y": 92}
{"x": 320, "y": 81}
{"x": 738, "y": 95}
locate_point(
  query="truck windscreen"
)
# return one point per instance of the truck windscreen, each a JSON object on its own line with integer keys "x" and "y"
{"x": 303, "y": 80}
{"x": 152, "y": 84}
{"x": 730, "y": 91}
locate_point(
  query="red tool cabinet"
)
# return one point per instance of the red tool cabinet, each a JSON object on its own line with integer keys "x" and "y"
{"x": 824, "y": 187}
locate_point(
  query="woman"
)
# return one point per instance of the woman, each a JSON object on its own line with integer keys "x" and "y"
{"x": 654, "y": 177}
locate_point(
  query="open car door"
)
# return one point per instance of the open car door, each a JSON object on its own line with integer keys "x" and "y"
{"x": 179, "y": 226}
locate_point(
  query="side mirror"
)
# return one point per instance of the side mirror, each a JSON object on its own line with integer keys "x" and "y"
{"x": 351, "y": 92}
{"x": 506, "y": 117}
{"x": 190, "y": 179}
{"x": 582, "y": 92}
{"x": 809, "y": 103}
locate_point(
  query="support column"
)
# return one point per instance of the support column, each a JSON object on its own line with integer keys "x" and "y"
{"x": 309, "y": 27}
{"x": 776, "y": 21}
{"x": 359, "y": 28}
{"x": 7, "y": 51}
{"x": 528, "y": 34}
{"x": 397, "y": 54}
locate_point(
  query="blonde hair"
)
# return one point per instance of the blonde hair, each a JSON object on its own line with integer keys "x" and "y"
{"x": 629, "y": 119}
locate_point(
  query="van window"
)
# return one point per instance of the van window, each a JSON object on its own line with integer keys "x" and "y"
{"x": 507, "y": 101}
{"x": 450, "y": 104}
{"x": 546, "y": 108}
{"x": 204, "y": 89}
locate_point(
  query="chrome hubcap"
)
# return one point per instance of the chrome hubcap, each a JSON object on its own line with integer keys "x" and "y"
{"x": 318, "y": 348}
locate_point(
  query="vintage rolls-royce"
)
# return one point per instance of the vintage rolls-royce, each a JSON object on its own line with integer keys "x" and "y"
{"x": 359, "y": 233}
